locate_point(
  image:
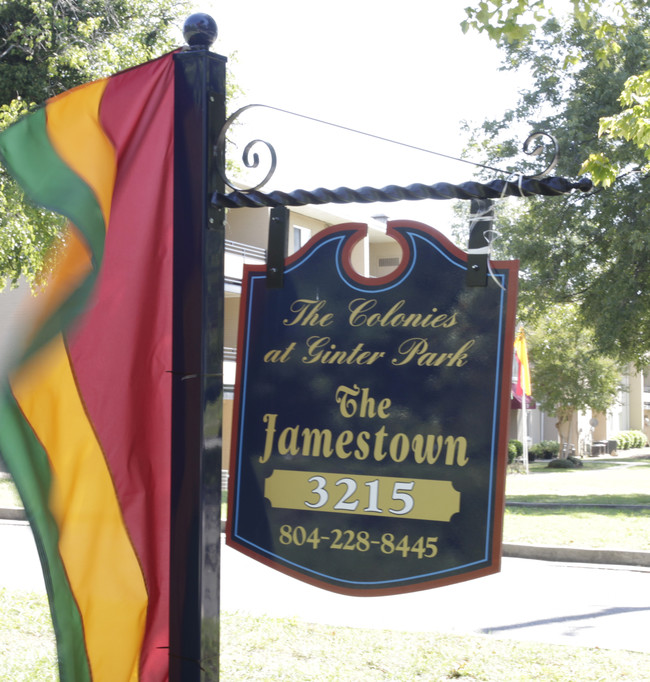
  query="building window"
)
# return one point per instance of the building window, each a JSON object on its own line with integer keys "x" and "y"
{"x": 299, "y": 237}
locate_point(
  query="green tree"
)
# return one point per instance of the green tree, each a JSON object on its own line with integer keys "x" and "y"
{"x": 568, "y": 374}
{"x": 515, "y": 23}
{"x": 593, "y": 249}
{"x": 46, "y": 47}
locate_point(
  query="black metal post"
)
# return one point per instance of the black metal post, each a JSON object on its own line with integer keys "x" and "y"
{"x": 197, "y": 359}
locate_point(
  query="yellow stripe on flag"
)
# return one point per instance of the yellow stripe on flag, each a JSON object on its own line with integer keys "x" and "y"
{"x": 102, "y": 568}
{"x": 76, "y": 134}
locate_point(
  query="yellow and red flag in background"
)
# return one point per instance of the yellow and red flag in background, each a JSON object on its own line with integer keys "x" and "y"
{"x": 523, "y": 371}
{"x": 85, "y": 412}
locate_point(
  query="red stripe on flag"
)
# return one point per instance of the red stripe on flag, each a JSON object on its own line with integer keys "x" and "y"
{"x": 121, "y": 353}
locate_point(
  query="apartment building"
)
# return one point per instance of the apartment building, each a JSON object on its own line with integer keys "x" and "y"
{"x": 630, "y": 412}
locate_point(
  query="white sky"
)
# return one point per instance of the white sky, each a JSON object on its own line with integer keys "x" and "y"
{"x": 397, "y": 69}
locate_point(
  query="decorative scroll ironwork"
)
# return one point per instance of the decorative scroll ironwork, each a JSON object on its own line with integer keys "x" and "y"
{"x": 254, "y": 160}
{"x": 524, "y": 187}
{"x": 538, "y": 149}
{"x": 246, "y": 156}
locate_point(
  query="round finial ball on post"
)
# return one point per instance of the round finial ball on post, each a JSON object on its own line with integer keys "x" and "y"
{"x": 200, "y": 30}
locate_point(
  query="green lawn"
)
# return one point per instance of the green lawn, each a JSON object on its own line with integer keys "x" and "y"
{"x": 606, "y": 529}
{"x": 264, "y": 648}
{"x": 27, "y": 649}
{"x": 615, "y": 481}
{"x": 9, "y": 496}
{"x": 596, "y": 477}
{"x": 279, "y": 649}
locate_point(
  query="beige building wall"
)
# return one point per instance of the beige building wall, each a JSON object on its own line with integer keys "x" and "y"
{"x": 386, "y": 257}
{"x": 226, "y": 440}
{"x": 636, "y": 401}
{"x": 248, "y": 226}
{"x": 600, "y": 430}
{"x": 231, "y": 321}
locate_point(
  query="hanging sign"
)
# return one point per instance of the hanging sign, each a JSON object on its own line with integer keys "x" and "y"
{"x": 370, "y": 429}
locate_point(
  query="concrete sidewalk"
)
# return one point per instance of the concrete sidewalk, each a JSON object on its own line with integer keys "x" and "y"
{"x": 582, "y": 555}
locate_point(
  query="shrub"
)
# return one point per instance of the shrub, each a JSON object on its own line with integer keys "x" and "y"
{"x": 622, "y": 440}
{"x": 546, "y": 449}
{"x": 630, "y": 439}
{"x": 568, "y": 463}
{"x": 515, "y": 449}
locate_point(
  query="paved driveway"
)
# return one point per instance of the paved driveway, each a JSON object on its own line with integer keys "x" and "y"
{"x": 578, "y": 604}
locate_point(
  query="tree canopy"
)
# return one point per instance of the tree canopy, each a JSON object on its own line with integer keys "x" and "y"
{"x": 593, "y": 249}
{"x": 568, "y": 374}
{"x": 46, "y": 47}
{"x": 515, "y": 24}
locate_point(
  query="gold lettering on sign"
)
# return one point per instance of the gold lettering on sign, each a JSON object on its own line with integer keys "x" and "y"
{"x": 321, "y": 350}
{"x": 307, "y": 313}
{"x": 361, "y": 316}
{"x": 378, "y": 445}
{"x": 417, "y": 350}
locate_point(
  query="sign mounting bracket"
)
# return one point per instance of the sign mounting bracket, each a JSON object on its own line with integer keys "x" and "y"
{"x": 277, "y": 246}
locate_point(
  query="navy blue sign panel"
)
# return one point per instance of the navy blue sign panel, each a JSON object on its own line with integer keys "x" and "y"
{"x": 370, "y": 428}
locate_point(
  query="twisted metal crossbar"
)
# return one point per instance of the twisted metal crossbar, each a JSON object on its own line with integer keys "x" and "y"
{"x": 523, "y": 187}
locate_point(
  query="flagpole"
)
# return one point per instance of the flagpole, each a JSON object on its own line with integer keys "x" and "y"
{"x": 523, "y": 389}
{"x": 524, "y": 416}
{"x": 197, "y": 395}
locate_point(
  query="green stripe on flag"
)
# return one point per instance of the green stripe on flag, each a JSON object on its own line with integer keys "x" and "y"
{"x": 30, "y": 470}
{"x": 49, "y": 181}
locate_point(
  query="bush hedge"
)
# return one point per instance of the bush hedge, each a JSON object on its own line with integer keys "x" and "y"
{"x": 630, "y": 439}
{"x": 568, "y": 463}
{"x": 515, "y": 449}
{"x": 547, "y": 449}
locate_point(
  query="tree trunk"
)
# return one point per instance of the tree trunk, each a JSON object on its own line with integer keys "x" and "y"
{"x": 563, "y": 426}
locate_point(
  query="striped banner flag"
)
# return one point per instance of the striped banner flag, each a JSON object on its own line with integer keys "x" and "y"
{"x": 523, "y": 371}
{"x": 85, "y": 414}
